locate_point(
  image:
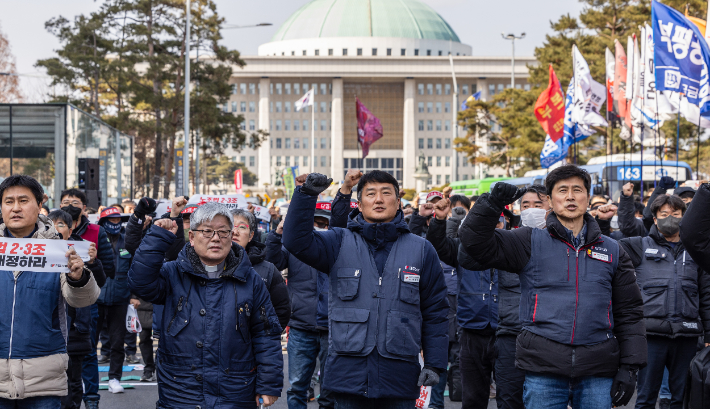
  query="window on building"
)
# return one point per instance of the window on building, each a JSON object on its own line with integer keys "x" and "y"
{"x": 438, "y": 125}
{"x": 305, "y": 128}
{"x": 429, "y": 107}
{"x": 323, "y": 161}
{"x": 271, "y": 125}
{"x": 330, "y": 51}
{"x": 278, "y": 124}
{"x": 403, "y": 52}
{"x": 430, "y": 143}
{"x": 317, "y": 52}
{"x": 278, "y": 161}
{"x": 243, "y": 88}
{"x": 372, "y": 163}
{"x": 287, "y": 88}
{"x": 297, "y": 89}
{"x": 428, "y": 53}
{"x": 465, "y": 177}
{"x": 491, "y": 89}
{"x": 440, "y": 53}
{"x": 447, "y": 89}
{"x": 421, "y": 143}
{"x": 305, "y": 143}
{"x": 278, "y": 141}
{"x": 271, "y": 88}
{"x": 465, "y": 163}
{"x": 252, "y": 161}
{"x": 438, "y": 180}
{"x": 438, "y": 89}
{"x": 429, "y": 125}
{"x": 322, "y": 107}
{"x": 304, "y": 52}
{"x": 234, "y": 106}
{"x": 323, "y": 89}
{"x": 421, "y": 125}
{"x": 287, "y": 127}
{"x": 287, "y": 106}
{"x": 430, "y": 89}
{"x": 416, "y": 51}
{"x": 421, "y": 107}
{"x": 315, "y": 88}
{"x": 292, "y": 53}
{"x": 296, "y": 143}
{"x": 438, "y": 107}
{"x": 324, "y": 143}
{"x": 288, "y": 161}
{"x": 252, "y": 125}
{"x": 323, "y": 125}
{"x": 296, "y": 125}
{"x": 438, "y": 161}
{"x": 359, "y": 51}
{"x": 374, "y": 51}
{"x": 345, "y": 51}
{"x": 287, "y": 141}
{"x": 448, "y": 179}
{"x": 252, "y": 106}
{"x": 305, "y": 161}
{"x": 438, "y": 143}
{"x": 464, "y": 91}
{"x": 428, "y": 161}
{"x": 447, "y": 125}
{"x": 448, "y": 161}
{"x": 243, "y": 106}
{"x": 243, "y": 126}
{"x": 420, "y": 89}
{"x": 474, "y": 88}
{"x": 526, "y": 87}
{"x": 226, "y": 108}
{"x": 235, "y": 88}
{"x": 271, "y": 106}
{"x": 501, "y": 87}
{"x": 279, "y": 87}
{"x": 389, "y": 52}
{"x": 252, "y": 89}
{"x": 447, "y": 107}
{"x": 295, "y": 161}
{"x": 447, "y": 142}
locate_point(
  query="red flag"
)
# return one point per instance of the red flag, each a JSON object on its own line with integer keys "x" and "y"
{"x": 550, "y": 108}
{"x": 619, "y": 103}
{"x": 238, "y": 180}
{"x": 369, "y": 128}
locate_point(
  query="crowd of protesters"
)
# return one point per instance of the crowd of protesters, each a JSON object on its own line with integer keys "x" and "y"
{"x": 541, "y": 297}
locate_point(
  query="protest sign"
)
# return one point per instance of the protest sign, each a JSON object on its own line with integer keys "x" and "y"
{"x": 39, "y": 255}
{"x": 262, "y": 213}
{"x": 232, "y": 201}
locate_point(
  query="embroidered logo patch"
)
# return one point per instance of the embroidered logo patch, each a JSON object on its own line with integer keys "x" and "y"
{"x": 599, "y": 256}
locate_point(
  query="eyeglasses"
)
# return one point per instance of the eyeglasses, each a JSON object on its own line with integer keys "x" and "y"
{"x": 242, "y": 228}
{"x": 209, "y": 233}
{"x": 322, "y": 225}
{"x": 60, "y": 225}
{"x": 75, "y": 203}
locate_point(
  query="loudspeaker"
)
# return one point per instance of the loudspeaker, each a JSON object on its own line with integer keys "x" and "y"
{"x": 89, "y": 174}
{"x": 93, "y": 198}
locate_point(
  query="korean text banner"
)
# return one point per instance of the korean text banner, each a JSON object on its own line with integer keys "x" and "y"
{"x": 681, "y": 56}
{"x": 231, "y": 201}
{"x": 47, "y": 256}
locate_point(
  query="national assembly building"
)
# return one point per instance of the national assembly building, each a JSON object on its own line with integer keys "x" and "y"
{"x": 394, "y": 55}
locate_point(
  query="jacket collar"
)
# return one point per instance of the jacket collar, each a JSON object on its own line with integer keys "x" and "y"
{"x": 378, "y": 233}
{"x": 256, "y": 252}
{"x": 237, "y": 264}
{"x": 557, "y": 230}
{"x": 44, "y": 229}
{"x": 661, "y": 240}
{"x": 83, "y": 225}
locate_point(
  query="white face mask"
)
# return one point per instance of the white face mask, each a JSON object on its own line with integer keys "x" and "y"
{"x": 316, "y": 228}
{"x": 615, "y": 222}
{"x": 533, "y": 217}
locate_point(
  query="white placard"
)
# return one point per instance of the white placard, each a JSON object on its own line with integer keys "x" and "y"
{"x": 231, "y": 201}
{"x": 39, "y": 254}
{"x": 262, "y": 213}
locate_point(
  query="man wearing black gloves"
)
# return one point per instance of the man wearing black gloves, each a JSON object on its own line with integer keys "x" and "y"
{"x": 695, "y": 226}
{"x": 388, "y": 297}
{"x": 581, "y": 310}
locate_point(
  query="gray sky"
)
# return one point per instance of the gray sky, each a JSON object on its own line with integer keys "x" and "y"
{"x": 477, "y": 23}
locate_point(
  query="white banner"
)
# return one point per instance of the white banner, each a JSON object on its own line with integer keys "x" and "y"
{"x": 589, "y": 95}
{"x": 262, "y": 213}
{"x": 232, "y": 201}
{"x": 39, "y": 255}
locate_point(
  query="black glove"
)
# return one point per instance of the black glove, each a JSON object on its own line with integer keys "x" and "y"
{"x": 624, "y": 385}
{"x": 504, "y": 194}
{"x": 315, "y": 184}
{"x": 145, "y": 205}
{"x": 666, "y": 182}
{"x": 428, "y": 377}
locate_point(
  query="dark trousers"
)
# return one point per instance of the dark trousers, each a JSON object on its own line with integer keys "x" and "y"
{"x": 477, "y": 357}
{"x": 115, "y": 318}
{"x": 347, "y": 401}
{"x": 673, "y": 353}
{"x": 146, "y": 346}
{"x": 90, "y": 372}
{"x": 131, "y": 343}
{"x": 509, "y": 379}
{"x": 76, "y": 391}
{"x": 38, "y": 402}
{"x": 325, "y": 400}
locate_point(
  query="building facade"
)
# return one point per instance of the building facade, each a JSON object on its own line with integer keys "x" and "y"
{"x": 397, "y": 57}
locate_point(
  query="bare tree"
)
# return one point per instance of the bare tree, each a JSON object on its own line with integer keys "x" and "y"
{"x": 9, "y": 84}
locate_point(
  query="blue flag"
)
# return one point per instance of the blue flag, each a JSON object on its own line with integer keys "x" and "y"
{"x": 682, "y": 56}
{"x": 474, "y": 97}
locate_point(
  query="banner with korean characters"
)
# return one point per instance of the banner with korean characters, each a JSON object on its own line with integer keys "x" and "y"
{"x": 47, "y": 256}
{"x": 262, "y": 213}
{"x": 232, "y": 201}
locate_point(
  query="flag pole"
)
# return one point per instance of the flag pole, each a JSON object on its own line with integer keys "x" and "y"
{"x": 313, "y": 132}
{"x": 697, "y": 151}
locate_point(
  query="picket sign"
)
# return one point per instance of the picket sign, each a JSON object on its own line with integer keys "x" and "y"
{"x": 39, "y": 255}
{"x": 232, "y": 201}
{"x": 262, "y": 213}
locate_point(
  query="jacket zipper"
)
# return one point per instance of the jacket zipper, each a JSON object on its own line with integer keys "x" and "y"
{"x": 12, "y": 320}
{"x": 576, "y": 297}
{"x": 567, "y": 264}
{"x": 178, "y": 309}
{"x": 608, "y": 313}
{"x": 535, "y": 310}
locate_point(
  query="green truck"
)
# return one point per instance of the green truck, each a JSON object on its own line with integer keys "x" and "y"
{"x": 474, "y": 187}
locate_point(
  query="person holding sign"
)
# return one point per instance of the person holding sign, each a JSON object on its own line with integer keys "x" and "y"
{"x": 33, "y": 351}
{"x": 220, "y": 337}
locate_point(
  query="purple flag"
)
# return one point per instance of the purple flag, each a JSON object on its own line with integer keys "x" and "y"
{"x": 369, "y": 128}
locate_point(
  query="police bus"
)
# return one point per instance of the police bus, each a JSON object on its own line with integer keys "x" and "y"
{"x": 474, "y": 187}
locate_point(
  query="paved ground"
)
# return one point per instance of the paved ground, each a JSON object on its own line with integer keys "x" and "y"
{"x": 144, "y": 395}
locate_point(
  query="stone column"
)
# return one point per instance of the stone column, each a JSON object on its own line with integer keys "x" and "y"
{"x": 264, "y": 165}
{"x": 482, "y": 85}
{"x": 337, "y": 133}
{"x": 408, "y": 135}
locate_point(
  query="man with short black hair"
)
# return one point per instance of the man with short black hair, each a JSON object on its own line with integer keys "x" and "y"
{"x": 387, "y": 295}
{"x": 582, "y": 337}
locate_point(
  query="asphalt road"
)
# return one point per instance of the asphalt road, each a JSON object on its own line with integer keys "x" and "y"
{"x": 145, "y": 395}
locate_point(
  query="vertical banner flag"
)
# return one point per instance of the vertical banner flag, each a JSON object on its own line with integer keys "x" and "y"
{"x": 589, "y": 95}
{"x": 610, "y": 76}
{"x": 631, "y": 60}
{"x": 238, "y": 180}
{"x": 306, "y": 100}
{"x": 550, "y": 108}
{"x": 682, "y": 57}
{"x": 369, "y": 128}
{"x": 620, "y": 81}
{"x": 179, "y": 177}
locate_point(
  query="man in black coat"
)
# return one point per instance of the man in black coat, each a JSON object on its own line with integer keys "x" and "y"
{"x": 695, "y": 226}
{"x": 581, "y": 311}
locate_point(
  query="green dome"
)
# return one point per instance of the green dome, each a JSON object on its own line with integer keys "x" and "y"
{"x": 366, "y": 18}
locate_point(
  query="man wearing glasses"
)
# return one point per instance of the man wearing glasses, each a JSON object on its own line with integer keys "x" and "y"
{"x": 220, "y": 337}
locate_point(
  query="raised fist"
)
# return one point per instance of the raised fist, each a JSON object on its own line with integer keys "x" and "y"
{"x": 442, "y": 209}
{"x": 504, "y": 194}
{"x": 315, "y": 184}
{"x": 666, "y": 182}
{"x": 145, "y": 205}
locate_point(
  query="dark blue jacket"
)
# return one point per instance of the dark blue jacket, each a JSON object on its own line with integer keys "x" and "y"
{"x": 115, "y": 291}
{"x": 103, "y": 247}
{"x": 376, "y": 330}
{"x": 220, "y": 341}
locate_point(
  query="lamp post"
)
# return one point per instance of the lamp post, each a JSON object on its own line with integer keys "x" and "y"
{"x": 186, "y": 131}
{"x": 512, "y": 37}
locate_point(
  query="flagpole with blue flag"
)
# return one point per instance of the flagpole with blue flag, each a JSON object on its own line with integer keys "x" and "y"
{"x": 473, "y": 97}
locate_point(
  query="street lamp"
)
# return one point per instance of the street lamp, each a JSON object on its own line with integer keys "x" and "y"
{"x": 512, "y": 38}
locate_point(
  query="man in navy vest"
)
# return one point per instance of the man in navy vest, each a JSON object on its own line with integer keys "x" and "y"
{"x": 583, "y": 337}
{"x": 387, "y": 295}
